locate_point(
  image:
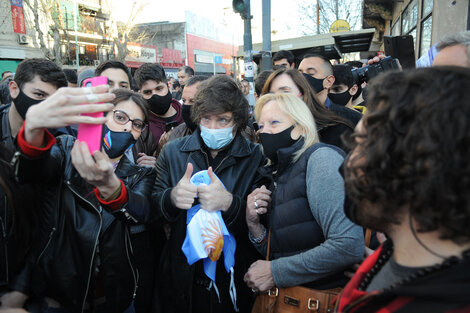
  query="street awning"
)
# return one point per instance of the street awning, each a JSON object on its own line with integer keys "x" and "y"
{"x": 356, "y": 41}
{"x": 330, "y": 45}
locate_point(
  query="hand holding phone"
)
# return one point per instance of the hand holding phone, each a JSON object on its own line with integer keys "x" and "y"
{"x": 90, "y": 133}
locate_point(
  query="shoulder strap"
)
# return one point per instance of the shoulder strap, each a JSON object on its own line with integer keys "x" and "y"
{"x": 269, "y": 244}
{"x": 367, "y": 236}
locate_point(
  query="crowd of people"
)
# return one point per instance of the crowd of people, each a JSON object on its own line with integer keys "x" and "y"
{"x": 327, "y": 183}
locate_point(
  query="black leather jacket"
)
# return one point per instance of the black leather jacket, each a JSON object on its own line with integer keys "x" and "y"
{"x": 238, "y": 172}
{"x": 79, "y": 238}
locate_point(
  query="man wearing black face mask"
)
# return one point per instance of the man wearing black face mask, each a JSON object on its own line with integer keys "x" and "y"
{"x": 35, "y": 80}
{"x": 344, "y": 89}
{"x": 319, "y": 73}
{"x": 165, "y": 112}
{"x": 188, "y": 127}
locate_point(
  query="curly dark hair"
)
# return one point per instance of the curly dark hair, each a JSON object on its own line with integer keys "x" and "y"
{"x": 414, "y": 154}
{"x": 149, "y": 71}
{"x": 220, "y": 94}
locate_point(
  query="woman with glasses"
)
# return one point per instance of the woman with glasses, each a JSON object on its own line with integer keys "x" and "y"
{"x": 91, "y": 202}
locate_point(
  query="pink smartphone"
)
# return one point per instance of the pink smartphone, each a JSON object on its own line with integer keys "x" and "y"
{"x": 91, "y": 133}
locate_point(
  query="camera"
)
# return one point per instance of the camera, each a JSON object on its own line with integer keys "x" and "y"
{"x": 364, "y": 74}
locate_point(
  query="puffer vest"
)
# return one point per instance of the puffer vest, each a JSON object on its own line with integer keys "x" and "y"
{"x": 293, "y": 227}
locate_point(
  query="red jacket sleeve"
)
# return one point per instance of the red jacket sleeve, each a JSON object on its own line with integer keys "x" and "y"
{"x": 33, "y": 151}
{"x": 116, "y": 203}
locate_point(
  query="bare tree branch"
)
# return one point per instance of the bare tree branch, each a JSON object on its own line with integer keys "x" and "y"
{"x": 124, "y": 32}
{"x": 349, "y": 10}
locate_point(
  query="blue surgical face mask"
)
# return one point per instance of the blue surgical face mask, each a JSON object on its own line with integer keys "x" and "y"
{"x": 216, "y": 139}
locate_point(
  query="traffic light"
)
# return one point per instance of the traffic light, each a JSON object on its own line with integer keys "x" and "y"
{"x": 239, "y": 6}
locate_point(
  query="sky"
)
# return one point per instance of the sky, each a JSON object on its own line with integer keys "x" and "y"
{"x": 283, "y": 17}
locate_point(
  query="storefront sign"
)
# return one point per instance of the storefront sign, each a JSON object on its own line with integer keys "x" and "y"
{"x": 141, "y": 53}
{"x": 17, "y": 16}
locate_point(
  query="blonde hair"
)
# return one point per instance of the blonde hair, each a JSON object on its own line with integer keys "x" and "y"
{"x": 300, "y": 114}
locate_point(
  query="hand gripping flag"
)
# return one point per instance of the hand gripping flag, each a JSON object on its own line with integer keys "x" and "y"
{"x": 207, "y": 237}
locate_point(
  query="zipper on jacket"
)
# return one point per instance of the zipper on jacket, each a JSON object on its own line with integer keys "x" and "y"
{"x": 3, "y": 222}
{"x": 51, "y": 233}
{"x": 226, "y": 157}
{"x": 353, "y": 304}
{"x": 94, "y": 247}
{"x": 134, "y": 274}
{"x": 207, "y": 158}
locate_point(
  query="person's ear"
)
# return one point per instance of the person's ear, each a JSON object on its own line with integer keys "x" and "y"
{"x": 353, "y": 90}
{"x": 328, "y": 82}
{"x": 14, "y": 89}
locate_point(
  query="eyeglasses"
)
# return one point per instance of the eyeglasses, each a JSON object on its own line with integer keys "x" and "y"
{"x": 122, "y": 118}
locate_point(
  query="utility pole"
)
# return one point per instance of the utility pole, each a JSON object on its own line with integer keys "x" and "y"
{"x": 318, "y": 16}
{"x": 336, "y": 10}
{"x": 243, "y": 7}
{"x": 266, "y": 57}
{"x": 75, "y": 8}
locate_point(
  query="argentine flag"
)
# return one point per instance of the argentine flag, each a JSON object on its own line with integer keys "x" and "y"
{"x": 207, "y": 237}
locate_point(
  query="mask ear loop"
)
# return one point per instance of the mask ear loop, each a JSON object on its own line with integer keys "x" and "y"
{"x": 413, "y": 231}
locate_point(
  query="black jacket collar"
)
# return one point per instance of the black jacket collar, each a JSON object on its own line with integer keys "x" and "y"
{"x": 285, "y": 155}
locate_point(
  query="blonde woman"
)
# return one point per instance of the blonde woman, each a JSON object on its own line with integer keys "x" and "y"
{"x": 312, "y": 241}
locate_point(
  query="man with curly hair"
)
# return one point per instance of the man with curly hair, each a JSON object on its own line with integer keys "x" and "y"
{"x": 408, "y": 176}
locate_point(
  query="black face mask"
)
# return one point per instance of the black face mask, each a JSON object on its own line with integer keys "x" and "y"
{"x": 273, "y": 142}
{"x": 186, "y": 113}
{"x": 315, "y": 83}
{"x": 116, "y": 143}
{"x": 340, "y": 98}
{"x": 160, "y": 104}
{"x": 23, "y": 103}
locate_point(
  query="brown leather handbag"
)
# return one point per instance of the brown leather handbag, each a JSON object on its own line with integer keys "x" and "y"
{"x": 298, "y": 299}
{"x": 294, "y": 299}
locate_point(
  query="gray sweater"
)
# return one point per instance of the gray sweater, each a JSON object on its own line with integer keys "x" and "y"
{"x": 344, "y": 241}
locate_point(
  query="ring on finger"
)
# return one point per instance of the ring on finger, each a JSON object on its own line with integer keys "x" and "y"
{"x": 88, "y": 91}
{"x": 92, "y": 97}
{"x": 256, "y": 205}
{"x": 255, "y": 199}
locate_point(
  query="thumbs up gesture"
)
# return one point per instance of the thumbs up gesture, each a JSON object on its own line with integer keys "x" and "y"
{"x": 183, "y": 194}
{"x": 214, "y": 197}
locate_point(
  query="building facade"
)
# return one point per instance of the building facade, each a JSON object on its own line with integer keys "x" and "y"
{"x": 54, "y": 29}
{"x": 197, "y": 42}
{"x": 427, "y": 21}
{"x": 17, "y": 36}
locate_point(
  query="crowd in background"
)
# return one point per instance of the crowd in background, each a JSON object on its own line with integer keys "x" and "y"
{"x": 320, "y": 172}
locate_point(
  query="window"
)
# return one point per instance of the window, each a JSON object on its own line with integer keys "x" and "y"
{"x": 410, "y": 17}
{"x": 396, "y": 28}
{"x": 427, "y": 7}
{"x": 426, "y": 26}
